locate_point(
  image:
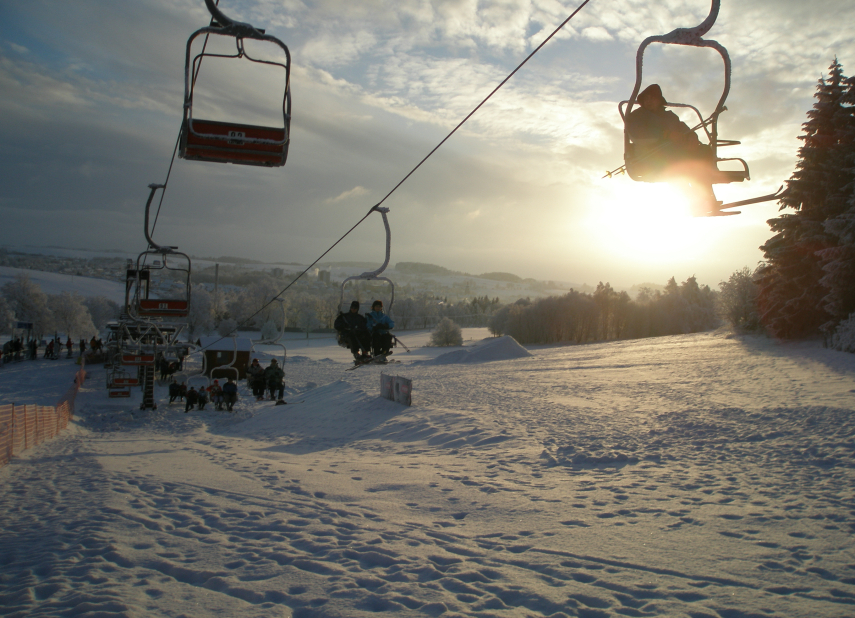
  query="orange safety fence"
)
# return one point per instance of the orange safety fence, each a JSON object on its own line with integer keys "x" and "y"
{"x": 28, "y": 425}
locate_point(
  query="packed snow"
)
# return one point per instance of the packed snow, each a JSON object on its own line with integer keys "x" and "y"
{"x": 501, "y": 348}
{"x": 703, "y": 476}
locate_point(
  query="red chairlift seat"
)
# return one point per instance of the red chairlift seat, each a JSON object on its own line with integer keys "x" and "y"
{"x": 162, "y": 308}
{"x": 137, "y": 359}
{"x": 222, "y": 142}
{"x": 124, "y": 381}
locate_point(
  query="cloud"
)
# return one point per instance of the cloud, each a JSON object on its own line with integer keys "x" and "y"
{"x": 597, "y": 33}
{"x": 355, "y": 192}
{"x": 377, "y": 85}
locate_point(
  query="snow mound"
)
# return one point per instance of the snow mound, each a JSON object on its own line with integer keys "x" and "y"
{"x": 330, "y": 415}
{"x": 502, "y": 348}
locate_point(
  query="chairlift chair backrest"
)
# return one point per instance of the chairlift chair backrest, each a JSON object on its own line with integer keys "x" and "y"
{"x": 176, "y": 304}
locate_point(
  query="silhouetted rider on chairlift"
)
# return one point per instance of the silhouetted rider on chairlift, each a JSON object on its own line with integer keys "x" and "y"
{"x": 666, "y": 148}
{"x": 353, "y": 332}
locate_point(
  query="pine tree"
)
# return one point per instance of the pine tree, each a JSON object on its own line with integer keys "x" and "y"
{"x": 838, "y": 262}
{"x": 791, "y": 292}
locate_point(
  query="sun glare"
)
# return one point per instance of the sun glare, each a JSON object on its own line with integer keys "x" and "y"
{"x": 647, "y": 222}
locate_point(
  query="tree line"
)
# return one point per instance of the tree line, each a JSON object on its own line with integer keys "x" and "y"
{"x": 21, "y": 300}
{"x": 606, "y": 314}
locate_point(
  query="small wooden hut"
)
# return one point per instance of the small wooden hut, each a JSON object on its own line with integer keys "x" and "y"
{"x": 220, "y": 351}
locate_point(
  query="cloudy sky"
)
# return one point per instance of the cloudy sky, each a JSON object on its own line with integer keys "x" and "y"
{"x": 91, "y": 96}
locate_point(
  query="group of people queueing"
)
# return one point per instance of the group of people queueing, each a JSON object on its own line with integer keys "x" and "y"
{"x": 261, "y": 379}
{"x": 219, "y": 396}
{"x": 17, "y": 349}
{"x": 367, "y": 336}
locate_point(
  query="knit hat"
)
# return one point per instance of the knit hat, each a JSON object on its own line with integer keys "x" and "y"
{"x": 653, "y": 90}
{"x": 355, "y": 305}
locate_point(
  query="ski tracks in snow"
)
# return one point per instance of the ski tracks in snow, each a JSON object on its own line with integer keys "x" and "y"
{"x": 689, "y": 476}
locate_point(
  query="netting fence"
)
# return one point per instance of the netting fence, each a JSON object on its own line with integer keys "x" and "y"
{"x": 28, "y": 425}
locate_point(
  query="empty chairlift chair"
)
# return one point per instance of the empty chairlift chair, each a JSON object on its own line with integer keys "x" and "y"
{"x": 227, "y": 142}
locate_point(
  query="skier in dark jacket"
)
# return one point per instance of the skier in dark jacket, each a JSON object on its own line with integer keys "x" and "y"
{"x": 274, "y": 377}
{"x": 255, "y": 379}
{"x": 192, "y": 399}
{"x": 353, "y": 332}
{"x": 174, "y": 391}
{"x": 202, "y": 397}
{"x": 230, "y": 390}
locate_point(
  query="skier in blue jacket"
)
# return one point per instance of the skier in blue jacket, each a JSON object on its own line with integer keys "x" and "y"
{"x": 379, "y": 324}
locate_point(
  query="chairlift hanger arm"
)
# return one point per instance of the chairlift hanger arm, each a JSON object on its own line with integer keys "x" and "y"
{"x": 229, "y": 24}
{"x": 374, "y": 275}
{"x": 692, "y": 37}
{"x": 154, "y": 187}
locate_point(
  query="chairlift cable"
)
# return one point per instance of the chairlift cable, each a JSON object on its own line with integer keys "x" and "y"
{"x": 405, "y": 178}
{"x": 178, "y": 139}
{"x": 503, "y": 82}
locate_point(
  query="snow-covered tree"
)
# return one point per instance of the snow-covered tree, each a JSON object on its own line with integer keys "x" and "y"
{"x": 303, "y": 313}
{"x": 737, "y": 301}
{"x": 843, "y": 338}
{"x": 270, "y": 330}
{"x": 226, "y": 327}
{"x": 328, "y": 308}
{"x": 253, "y": 306}
{"x": 200, "y": 320}
{"x": 6, "y": 317}
{"x": 792, "y": 300}
{"x": 29, "y": 304}
{"x": 71, "y": 316}
{"x": 446, "y": 333}
{"x": 102, "y": 310}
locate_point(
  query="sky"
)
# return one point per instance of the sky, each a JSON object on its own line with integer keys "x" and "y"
{"x": 91, "y": 96}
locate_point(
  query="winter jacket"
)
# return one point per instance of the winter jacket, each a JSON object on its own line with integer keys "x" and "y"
{"x": 254, "y": 373}
{"x": 350, "y": 321}
{"x": 377, "y": 320}
{"x": 274, "y": 375}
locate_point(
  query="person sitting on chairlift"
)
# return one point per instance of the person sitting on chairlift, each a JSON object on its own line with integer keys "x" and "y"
{"x": 353, "y": 332}
{"x": 379, "y": 324}
{"x": 666, "y": 146}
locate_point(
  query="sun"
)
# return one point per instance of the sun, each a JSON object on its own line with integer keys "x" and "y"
{"x": 646, "y": 222}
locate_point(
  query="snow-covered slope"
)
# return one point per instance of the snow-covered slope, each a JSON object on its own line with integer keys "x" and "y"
{"x": 56, "y": 283}
{"x": 700, "y": 475}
